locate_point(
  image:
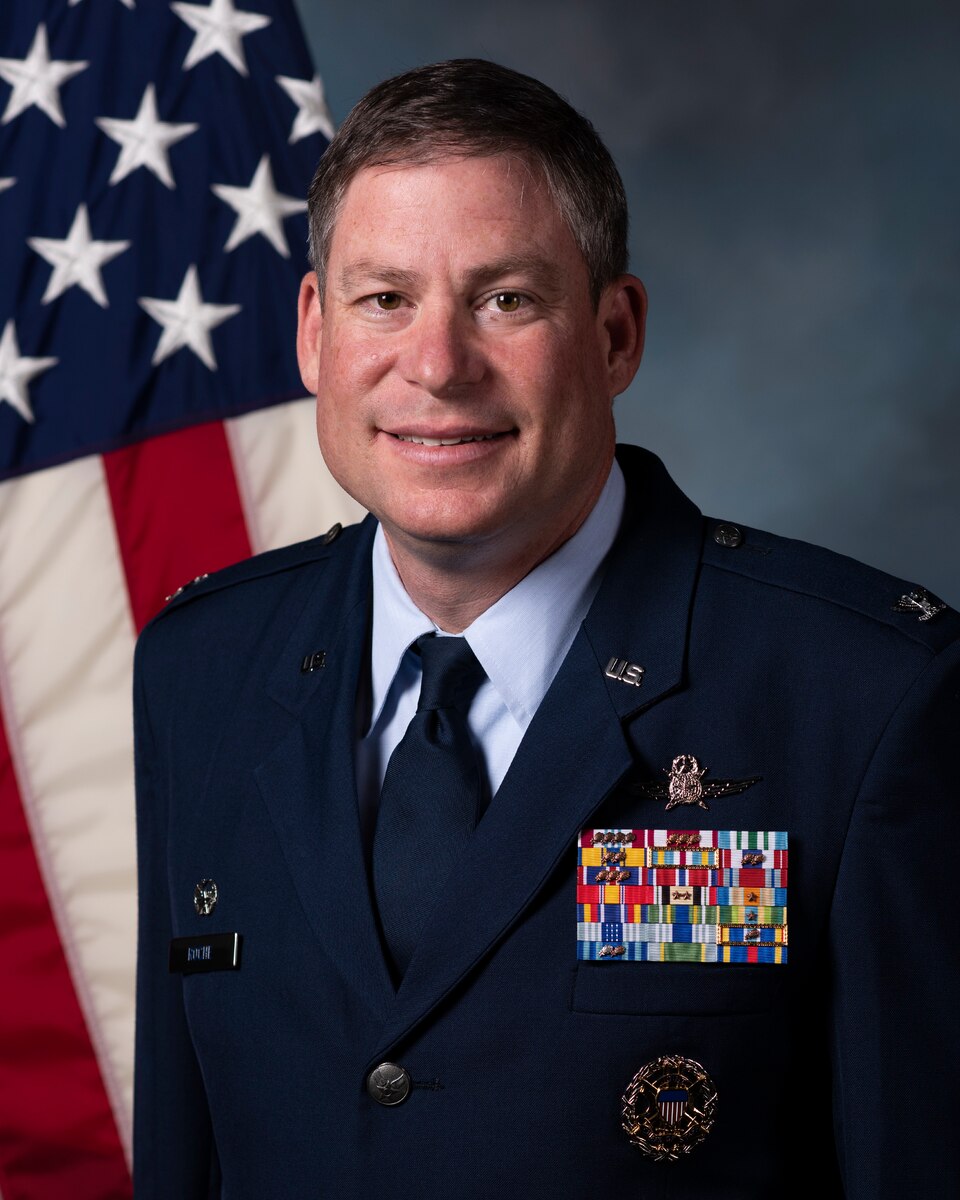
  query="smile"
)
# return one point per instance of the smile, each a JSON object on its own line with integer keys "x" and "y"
{"x": 451, "y": 441}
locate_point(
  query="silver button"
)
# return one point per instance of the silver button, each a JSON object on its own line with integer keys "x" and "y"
{"x": 388, "y": 1084}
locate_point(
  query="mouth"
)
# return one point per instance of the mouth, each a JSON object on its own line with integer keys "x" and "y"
{"x": 455, "y": 440}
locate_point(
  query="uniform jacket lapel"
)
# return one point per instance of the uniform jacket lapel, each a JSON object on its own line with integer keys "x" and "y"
{"x": 576, "y": 749}
{"x": 308, "y": 781}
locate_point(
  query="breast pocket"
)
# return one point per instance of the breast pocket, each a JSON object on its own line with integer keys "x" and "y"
{"x": 671, "y": 989}
{"x": 680, "y": 921}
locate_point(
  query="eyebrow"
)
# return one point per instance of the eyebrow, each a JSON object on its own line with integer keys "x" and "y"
{"x": 366, "y": 269}
{"x": 532, "y": 266}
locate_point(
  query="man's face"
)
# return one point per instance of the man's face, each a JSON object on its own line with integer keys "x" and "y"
{"x": 464, "y": 381}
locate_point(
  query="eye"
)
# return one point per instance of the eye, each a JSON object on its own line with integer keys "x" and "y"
{"x": 388, "y": 301}
{"x": 508, "y": 303}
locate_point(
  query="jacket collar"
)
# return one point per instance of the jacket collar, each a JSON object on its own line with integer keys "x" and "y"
{"x": 336, "y": 599}
{"x": 641, "y": 613}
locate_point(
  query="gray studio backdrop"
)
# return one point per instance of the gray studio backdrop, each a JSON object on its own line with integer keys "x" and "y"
{"x": 793, "y": 172}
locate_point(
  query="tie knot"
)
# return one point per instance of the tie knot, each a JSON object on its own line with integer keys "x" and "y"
{"x": 451, "y": 673}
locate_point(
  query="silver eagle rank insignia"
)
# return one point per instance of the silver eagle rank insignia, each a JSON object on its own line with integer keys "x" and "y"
{"x": 923, "y": 604}
{"x": 685, "y": 784}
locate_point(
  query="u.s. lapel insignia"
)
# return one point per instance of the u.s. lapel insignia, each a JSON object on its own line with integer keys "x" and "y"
{"x": 668, "y": 1107}
{"x": 313, "y": 662}
{"x": 685, "y": 784}
{"x": 624, "y": 671}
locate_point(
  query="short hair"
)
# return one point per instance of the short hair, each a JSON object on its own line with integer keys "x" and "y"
{"x": 468, "y": 107}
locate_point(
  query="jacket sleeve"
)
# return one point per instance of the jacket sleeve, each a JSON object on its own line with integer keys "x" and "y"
{"x": 174, "y": 1157}
{"x": 895, "y": 953}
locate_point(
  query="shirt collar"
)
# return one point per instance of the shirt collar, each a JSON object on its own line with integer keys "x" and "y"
{"x": 522, "y": 639}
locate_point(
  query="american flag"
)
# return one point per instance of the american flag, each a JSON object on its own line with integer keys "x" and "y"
{"x": 154, "y": 157}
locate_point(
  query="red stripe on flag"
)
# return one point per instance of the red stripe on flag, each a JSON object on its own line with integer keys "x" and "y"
{"x": 177, "y": 510}
{"x": 58, "y": 1137}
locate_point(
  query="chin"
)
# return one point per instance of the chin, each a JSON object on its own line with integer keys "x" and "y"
{"x": 442, "y": 528}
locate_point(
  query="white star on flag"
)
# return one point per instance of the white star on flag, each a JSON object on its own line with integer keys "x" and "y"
{"x": 219, "y": 29}
{"x": 313, "y": 116}
{"x": 6, "y": 183}
{"x": 145, "y": 140}
{"x": 36, "y": 79}
{"x": 187, "y": 321}
{"x": 17, "y": 370}
{"x": 260, "y": 208}
{"x": 76, "y": 259}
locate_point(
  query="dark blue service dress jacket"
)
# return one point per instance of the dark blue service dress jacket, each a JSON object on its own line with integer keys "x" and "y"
{"x": 832, "y": 1071}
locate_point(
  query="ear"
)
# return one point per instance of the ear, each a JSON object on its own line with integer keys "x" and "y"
{"x": 309, "y": 329}
{"x": 622, "y": 314}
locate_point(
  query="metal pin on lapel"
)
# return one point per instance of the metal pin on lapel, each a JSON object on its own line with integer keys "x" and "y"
{"x": 313, "y": 662}
{"x": 624, "y": 671}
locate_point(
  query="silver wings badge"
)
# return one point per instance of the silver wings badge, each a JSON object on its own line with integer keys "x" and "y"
{"x": 685, "y": 784}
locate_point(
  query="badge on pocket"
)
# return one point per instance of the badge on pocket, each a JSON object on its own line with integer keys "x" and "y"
{"x": 682, "y": 895}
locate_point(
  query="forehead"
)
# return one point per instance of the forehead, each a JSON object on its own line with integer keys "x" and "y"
{"x": 496, "y": 204}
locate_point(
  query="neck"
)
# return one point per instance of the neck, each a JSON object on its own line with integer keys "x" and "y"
{"x": 454, "y": 582}
{"x": 454, "y": 593}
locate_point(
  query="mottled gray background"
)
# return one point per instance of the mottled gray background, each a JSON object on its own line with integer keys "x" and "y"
{"x": 793, "y": 172}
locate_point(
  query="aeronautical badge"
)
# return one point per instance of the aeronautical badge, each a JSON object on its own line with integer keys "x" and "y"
{"x": 685, "y": 784}
{"x": 668, "y": 1107}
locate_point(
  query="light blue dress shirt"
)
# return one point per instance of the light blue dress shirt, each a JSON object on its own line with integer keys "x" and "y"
{"x": 520, "y": 641}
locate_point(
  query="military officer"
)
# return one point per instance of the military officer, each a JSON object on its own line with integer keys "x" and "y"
{"x": 536, "y": 836}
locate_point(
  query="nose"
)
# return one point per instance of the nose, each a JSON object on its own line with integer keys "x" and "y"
{"x": 441, "y": 351}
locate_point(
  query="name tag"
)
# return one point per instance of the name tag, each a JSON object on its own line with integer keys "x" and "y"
{"x": 209, "y": 952}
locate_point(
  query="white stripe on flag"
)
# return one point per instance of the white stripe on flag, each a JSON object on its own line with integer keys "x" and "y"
{"x": 287, "y": 492}
{"x": 66, "y": 649}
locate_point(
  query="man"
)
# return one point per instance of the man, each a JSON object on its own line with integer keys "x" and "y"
{"x": 465, "y": 832}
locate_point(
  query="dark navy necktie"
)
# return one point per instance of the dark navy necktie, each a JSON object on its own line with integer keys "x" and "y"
{"x": 431, "y": 796}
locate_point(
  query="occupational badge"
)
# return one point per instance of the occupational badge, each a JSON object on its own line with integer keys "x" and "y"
{"x": 668, "y": 1107}
{"x": 205, "y": 896}
{"x": 685, "y": 784}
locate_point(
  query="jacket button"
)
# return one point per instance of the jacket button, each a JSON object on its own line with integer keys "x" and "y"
{"x": 388, "y": 1084}
{"x": 728, "y": 535}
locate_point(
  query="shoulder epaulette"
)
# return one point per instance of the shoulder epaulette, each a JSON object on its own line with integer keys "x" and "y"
{"x": 259, "y": 566}
{"x": 833, "y": 578}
